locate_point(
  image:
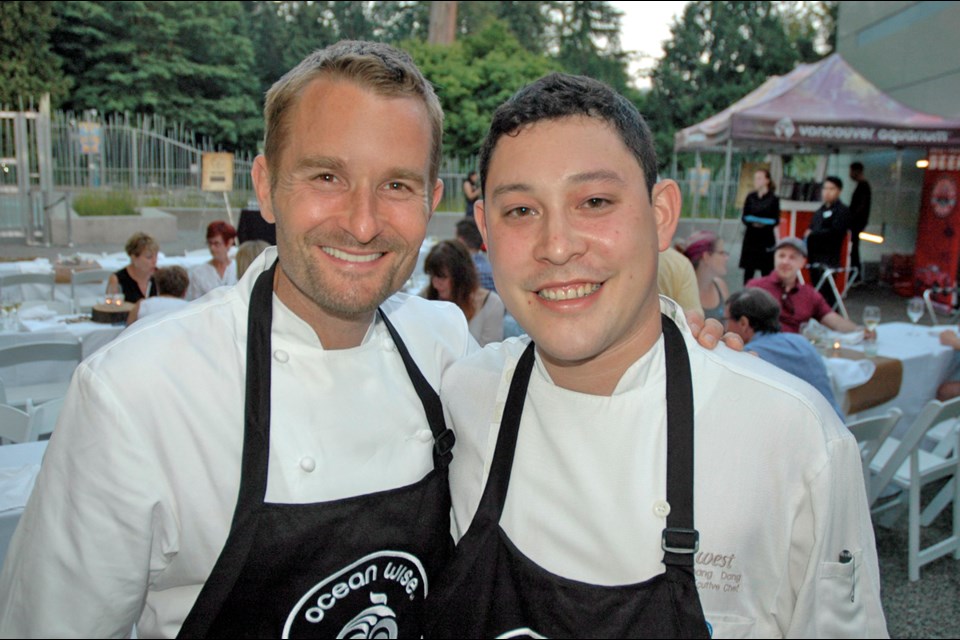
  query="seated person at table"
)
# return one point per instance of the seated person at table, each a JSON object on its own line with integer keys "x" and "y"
{"x": 798, "y": 302}
{"x": 172, "y": 283}
{"x": 469, "y": 235}
{"x": 247, "y": 252}
{"x": 754, "y": 315}
{"x": 677, "y": 280}
{"x": 950, "y": 388}
{"x": 135, "y": 280}
{"x": 705, "y": 250}
{"x": 221, "y": 271}
{"x": 453, "y": 278}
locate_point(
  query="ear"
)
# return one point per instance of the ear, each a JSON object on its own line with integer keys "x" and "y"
{"x": 261, "y": 184}
{"x": 436, "y": 197}
{"x": 480, "y": 215}
{"x": 745, "y": 329}
{"x": 666, "y": 210}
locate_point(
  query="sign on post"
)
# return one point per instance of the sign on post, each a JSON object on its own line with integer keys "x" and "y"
{"x": 216, "y": 174}
{"x": 216, "y": 171}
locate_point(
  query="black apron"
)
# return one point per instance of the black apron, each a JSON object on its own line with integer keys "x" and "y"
{"x": 492, "y": 590}
{"x": 355, "y": 567}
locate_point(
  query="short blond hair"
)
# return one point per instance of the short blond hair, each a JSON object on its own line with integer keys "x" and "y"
{"x": 383, "y": 69}
{"x": 140, "y": 242}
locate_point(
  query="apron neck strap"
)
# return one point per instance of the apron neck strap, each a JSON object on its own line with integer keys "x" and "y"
{"x": 443, "y": 438}
{"x": 680, "y": 541}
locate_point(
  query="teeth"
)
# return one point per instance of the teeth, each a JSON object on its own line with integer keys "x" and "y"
{"x": 350, "y": 257}
{"x": 569, "y": 293}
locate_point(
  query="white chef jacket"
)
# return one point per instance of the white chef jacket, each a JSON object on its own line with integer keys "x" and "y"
{"x": 204, "y": 278}
{"x": 136, "y": 494}
{"x": 778, "y": 488}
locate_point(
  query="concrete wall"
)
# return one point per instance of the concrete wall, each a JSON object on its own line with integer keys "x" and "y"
{"x": 907, "y": 49}
{"x": 112, "y": 229}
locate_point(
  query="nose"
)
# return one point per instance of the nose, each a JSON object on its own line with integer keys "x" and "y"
{"x": 558, "y": 241}
{"x": 364, "y": 222}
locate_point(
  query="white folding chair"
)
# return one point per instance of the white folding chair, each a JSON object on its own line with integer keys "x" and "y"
{"x": 82, "y": 302}
{"x": 45, "y": 283}
{"x": 43, "y": 419}
{"x": 68, "y": 352}
{"x": 870, "y": 434}
{"x": 14, "y": 425}
{"x": 904, "y": 463}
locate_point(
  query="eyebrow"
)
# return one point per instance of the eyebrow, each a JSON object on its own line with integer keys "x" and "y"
{"x": 602, "y": 175}
{"x": 331, "y": 162}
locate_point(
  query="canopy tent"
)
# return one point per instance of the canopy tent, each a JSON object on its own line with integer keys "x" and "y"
{"x": 816, "y": 108}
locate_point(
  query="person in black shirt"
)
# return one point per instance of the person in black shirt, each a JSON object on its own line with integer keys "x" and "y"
{"x": 859, "y": 212}
{"x": 827, "y": 233}
{"x": 761, "y": 214}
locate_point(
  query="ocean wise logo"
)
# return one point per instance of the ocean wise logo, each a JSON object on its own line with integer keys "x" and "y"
{"x": 364, "y": 600}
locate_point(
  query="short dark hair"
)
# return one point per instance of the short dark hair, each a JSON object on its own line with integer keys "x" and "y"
{"x": 856, "y": 166}
{"x": 469, "y": 234}
{"x": 835, "y": 180}
{"x": 760, "y": 308}
{"x": 172, "y": 281}
{"x": 224, "y": 230}
{"x": 560, "y": 95}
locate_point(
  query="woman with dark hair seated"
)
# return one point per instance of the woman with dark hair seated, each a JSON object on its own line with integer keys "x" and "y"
{"x": 135, "y": 280}
{"x": 221, "y": 271}
{"x": 453, "y": 278}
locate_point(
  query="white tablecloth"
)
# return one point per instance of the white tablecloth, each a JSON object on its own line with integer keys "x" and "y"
{"x": 113, "y": 262}
{"x": 19, "y": 465}
{"x": 91, "y": 335}
{"x": 925, "y": 364}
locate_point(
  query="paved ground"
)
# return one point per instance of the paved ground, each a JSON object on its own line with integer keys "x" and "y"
{"x": 929, "y": 608}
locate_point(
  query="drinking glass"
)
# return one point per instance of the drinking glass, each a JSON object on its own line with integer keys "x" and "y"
{"x": 871, "y": 318}
{"x": 915, "y": 310}
{"x": 10, "y": 300}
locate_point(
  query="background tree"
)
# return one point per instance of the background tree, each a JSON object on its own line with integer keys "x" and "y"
{"x": 718, "y": 53}
{"x": 473, "y": 77}
{"x": 28, "y": 65}
{"x": 189, "y": 62}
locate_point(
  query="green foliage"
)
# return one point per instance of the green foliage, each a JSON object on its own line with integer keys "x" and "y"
{"x": 190, "y": 62}
{"x": 719, "y": 52}
{"x": 105, "y": 203}
{"x": 473, "y": 77}
{"x": 28, "y": 66}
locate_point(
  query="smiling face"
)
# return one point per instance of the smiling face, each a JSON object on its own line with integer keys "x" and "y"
{"x": 787, "y": 263}
{"x": 352, "y": 198}
{"x": 573, "y": 239}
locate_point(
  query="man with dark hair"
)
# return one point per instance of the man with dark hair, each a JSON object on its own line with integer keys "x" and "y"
{"x": 469, "y": 236}
{"x": 754, "y": 315}
{"x": 859, "y": 212}
{"x": 826, "y": 235}
{"x": 586, "y": 503}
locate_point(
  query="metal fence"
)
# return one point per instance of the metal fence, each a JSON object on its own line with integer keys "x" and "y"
{"x": 140, "y": 153}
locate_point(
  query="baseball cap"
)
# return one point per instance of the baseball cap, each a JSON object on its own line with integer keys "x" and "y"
{"x": 795, "y": 243}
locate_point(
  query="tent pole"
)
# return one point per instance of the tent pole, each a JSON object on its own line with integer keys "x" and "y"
{"x": 896, "y": 193}
{"x": 696, "y": 187}
{"x": 726, "y": 186}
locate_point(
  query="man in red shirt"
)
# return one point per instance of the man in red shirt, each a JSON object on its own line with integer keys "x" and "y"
{"x": 798, "y": 302}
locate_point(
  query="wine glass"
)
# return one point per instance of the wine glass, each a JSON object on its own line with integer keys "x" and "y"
{"x": 10, "y": 300}
{"x": 915, "y": 311}
{"x": 871, "y": 318}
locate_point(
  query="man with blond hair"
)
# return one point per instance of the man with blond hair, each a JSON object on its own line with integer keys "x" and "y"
{"x": 271, "y": 460}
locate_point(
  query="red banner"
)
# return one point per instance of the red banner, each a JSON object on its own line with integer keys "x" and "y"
{"x": 938, "y": 234}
